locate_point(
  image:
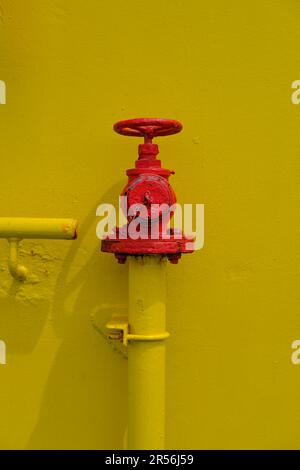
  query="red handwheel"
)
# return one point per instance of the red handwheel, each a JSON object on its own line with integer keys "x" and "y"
{"x": 148, "y": 128}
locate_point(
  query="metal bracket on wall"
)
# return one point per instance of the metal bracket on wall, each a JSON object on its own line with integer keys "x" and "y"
{"x": 118, "y": 329}
{"x": 112, "y": 322}
{"x": 101, "y": 315}
{"x": 14, "y": 229}
{"x": 17, "y": 270}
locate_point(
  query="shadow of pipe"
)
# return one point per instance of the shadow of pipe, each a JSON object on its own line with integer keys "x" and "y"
{"x": 82, "y": 385}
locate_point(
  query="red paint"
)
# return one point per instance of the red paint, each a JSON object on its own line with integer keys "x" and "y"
{"x": 148, "y": 184}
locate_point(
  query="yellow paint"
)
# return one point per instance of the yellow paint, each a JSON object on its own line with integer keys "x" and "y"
{"x": 14, "y": 229}
{"x": 18, "y": 227}
{"x": 225, "y": 70}
{"x": 118, "y": 328}
{"x": 17, "y": 270}
{"x": 146, "y": 360}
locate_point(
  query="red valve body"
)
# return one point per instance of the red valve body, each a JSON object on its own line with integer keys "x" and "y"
{"x": 148, "y": 185}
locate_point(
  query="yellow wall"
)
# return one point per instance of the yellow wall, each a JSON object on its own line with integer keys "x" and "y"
{"x": 225, "y": 69}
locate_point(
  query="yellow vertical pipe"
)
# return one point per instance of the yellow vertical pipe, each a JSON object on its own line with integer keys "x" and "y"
{"x": 146, "y": 360}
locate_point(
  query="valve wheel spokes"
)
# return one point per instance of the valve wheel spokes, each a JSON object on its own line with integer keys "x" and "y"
{"x": 148, "y": 128}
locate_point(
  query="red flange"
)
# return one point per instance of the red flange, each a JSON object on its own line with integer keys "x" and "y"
{"x": 147, "y": 188}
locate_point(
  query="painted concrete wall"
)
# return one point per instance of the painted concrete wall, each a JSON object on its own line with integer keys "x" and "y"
{"x": 225, "y": 69}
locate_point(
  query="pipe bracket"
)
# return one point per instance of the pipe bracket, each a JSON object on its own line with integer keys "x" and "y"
{"x": 119, "y": 329}
{"x": 17, "y": 270}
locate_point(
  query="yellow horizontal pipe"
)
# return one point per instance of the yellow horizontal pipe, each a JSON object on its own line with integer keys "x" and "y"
{"x": 22, "y": 227}
{"x": 146, "y": 359}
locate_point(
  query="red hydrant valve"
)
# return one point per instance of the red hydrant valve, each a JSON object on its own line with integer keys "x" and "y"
{"x": 149, "y": 199}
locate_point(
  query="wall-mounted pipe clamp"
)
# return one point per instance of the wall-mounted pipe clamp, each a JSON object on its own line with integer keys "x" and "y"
{"x": 118, "y": 329}
{"x": 15, "y": 229}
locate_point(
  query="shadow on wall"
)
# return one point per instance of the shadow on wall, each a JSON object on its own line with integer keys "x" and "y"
{"x": 76, "y": 411}
{"x": 21, "y": 324}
